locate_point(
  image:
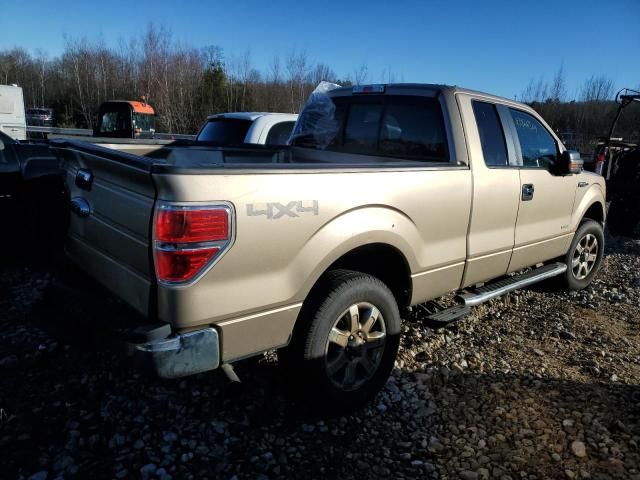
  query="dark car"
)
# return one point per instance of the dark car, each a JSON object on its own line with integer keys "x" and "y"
{"x": 32, "y": 198}
{"x": 39, "y": 117}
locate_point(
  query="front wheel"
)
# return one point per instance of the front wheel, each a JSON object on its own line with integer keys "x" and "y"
{"x": 345, "y": 343}
{"x": 584, "y": 256}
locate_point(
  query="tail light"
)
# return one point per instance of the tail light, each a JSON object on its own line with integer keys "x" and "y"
{"x": 189, "y": 239}
{"x": 600, "y": 163}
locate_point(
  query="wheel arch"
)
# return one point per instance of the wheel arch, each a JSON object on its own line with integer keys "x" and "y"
{"x": 591, "y": 205}
{"x": 381, "y": 260}
{"x": 595, "y": 211}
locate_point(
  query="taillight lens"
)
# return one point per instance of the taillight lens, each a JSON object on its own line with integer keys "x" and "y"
{"x": 188, "y": 239}
{"x": 182, "y": 265}
{"x": 192, "y": 225}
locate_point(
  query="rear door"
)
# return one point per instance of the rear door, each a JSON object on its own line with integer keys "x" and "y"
{"x": 546, "y": 198}
{"x": 112, "y": 199}
{"x": 496, "y": 187}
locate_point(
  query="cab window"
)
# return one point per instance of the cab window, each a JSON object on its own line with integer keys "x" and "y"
{"x": 391, "y": 126}
{"x": 538, "y": 147}
{"x": 494, "y": 148}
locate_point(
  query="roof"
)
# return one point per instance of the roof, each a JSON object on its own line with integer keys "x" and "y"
{"x": 436, "y": 88}
{"x": 244, "y": 115}
{"x": 138, "y": 107}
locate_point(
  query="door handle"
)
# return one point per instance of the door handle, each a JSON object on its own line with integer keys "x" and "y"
{"x": 527, "y": 192}
{"x": 80, "y": 207}
{"x": 582, "y": 184}
{"x": 84, "y": 179}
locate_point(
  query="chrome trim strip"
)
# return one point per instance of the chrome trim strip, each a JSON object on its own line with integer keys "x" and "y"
{"x": 261, "y": 314}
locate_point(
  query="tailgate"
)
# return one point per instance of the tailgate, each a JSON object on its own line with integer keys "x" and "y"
{"x": 112, "y": 199}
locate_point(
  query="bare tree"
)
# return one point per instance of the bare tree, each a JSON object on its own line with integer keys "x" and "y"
{"x": 360, "y": 74}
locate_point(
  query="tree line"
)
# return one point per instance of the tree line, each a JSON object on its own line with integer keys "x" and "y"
{"x": 184, "y": 84}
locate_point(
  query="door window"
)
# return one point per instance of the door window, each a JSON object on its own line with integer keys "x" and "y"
{"x": 536, "y": 144}
{"x": 494, "y": 148}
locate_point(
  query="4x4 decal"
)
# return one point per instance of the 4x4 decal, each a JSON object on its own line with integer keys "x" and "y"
{"x": 275, "y": 210}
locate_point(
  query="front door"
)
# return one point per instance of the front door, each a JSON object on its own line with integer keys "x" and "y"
{"x": 546, "y": 199}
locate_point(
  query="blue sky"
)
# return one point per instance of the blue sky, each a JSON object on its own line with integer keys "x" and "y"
{"x": 495, "y": 46}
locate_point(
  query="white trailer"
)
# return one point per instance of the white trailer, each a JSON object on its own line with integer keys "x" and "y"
{"x": 12, "y": 117}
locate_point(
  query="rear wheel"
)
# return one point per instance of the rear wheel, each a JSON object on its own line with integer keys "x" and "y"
{"x": 584, "y": 256}
{"x": 345, "y": 343}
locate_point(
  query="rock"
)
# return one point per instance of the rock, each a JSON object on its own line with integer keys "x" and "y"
{"x": 122, "y": 473}
{"x": 10, "y": 361}
{"x": 614, "y": 378}
{"x": 578, "y": 448}
{"x": 569, "y": 473}
{"x": 148, "y": 470}
{"x": 468, "y": 475}
{"x": 556, "y": 458}
{"x": 170, "y": 437}
{"x": 42, "y": 475}
{"x": 139, "y": 444}
{"x": 435, "y": 446}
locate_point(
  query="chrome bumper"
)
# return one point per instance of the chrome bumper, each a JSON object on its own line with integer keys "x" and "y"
{"x": 183, "y": 353}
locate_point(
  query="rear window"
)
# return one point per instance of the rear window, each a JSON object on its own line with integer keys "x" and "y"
{"x": 403, "y": 127}
{"x": 224, "y": 130}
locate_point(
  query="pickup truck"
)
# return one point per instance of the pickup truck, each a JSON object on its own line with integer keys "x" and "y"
{"x": 408, "y": 192}
{"x": 32, "y": 199}
{"x": 235, "y": 128}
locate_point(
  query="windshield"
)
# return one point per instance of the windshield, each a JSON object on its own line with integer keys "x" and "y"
{"x": 224, "y": 130}
{"x": 144, "y": 122}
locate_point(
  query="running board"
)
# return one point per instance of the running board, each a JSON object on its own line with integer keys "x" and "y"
{"x": 447, "y": 316}
{"x": 502, "y": 287}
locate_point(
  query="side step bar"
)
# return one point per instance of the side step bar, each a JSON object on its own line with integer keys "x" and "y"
{"x": 502, "y": 287}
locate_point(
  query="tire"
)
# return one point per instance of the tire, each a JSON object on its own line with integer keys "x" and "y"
{"x": 337, "y": 361}
{"x": 584, "y": 257}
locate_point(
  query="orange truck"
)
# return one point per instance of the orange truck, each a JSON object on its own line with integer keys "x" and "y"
{"x": 125, "y": 119}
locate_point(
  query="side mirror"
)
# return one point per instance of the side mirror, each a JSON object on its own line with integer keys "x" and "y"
{"x": 570, "y": 162}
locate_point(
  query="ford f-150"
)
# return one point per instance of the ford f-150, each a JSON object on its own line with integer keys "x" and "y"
{"x": 401, "y": 194}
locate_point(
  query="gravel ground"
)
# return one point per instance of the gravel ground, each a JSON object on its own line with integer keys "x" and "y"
{"x": 535, "y": 385}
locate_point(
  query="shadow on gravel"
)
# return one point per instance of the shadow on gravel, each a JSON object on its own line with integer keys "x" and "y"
{"x": 493, "y": 424}
{"x": 72, "y": 404}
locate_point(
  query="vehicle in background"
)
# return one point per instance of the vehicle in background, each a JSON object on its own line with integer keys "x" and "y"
{"x": 40, "y": 117}
{"x": 610, "y": 149}
{"x": 236, "y": 128}
{"x": 619, "y": 162}
{"x": 125, "y": 119}
{"x": 32, "y": 198}
{"x": 388, "y": 196}
{"x": 12, "y": 115}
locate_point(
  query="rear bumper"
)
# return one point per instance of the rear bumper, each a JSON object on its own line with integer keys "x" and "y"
{"x": 182, "y": 354}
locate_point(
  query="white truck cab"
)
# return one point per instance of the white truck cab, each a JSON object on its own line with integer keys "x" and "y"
{"x": 236, "y": 128}
{"x": 12, "y": 117}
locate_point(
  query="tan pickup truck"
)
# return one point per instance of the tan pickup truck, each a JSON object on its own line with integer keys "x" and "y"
{"x": 389, "y": 196}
